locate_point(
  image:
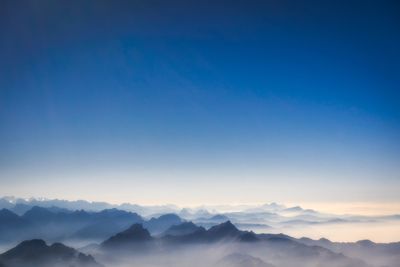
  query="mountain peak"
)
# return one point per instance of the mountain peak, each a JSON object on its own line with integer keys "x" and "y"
{"x": 134, "y": 234}
{"x": 135, "y": 229}
{"x": 184, "y": 228}
{"x": 38, "y": 253}
{"x": 365, "y": 243}
{"x": 223, "y": 230}
{"x": 8, "y": 214}
{"x": 38, "y": 210}
{"x": 38, "y": 243}
{"x": 162, "y": 223}
{"x": 225, "y": 225}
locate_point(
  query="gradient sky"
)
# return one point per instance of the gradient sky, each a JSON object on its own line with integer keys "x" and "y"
{"x": 193, "y": 102}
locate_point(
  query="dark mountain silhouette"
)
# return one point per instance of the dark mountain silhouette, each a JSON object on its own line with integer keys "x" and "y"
{"x": 228, "y": 232}
{"x": 182, "y": 229}
{"x": 223, "y": 230}
{"x": 20, "y": 208}
{"x": 39, "y": 215}
{"x": 136, "y": 238}
{"x": 107, "y": 223}
{"x": 162, "y": 223}
{"x": 8, "y": 217}
{"x": 11, "y": 225}
{"x": 6, "y": 204}
{"x": 51, "y": 215}
{"x": 57, "y": 224}
{"x": 36, "y": 253}
{"x": 133, "y": 236}
{"x": 278, "y": 238}
{"x": 182, "y": 234}
{"x": 10, "y": 202}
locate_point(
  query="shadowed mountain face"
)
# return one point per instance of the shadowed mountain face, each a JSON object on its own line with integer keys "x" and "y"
{"x": 182, "y": 229}
{"x": 224, "y": 229}
{"x": 162, "y": 223}
{"x": 184, "y": 233}
{"x": 134, "y": 235}
{"x": 11, "y": 225}
{"x": 36, "y": 253}
{"x": 221, "y": 246}
{"x": 272, "y": 218}
{"x": 267, "y": 250}
{"x": 58, "y": 224}
{"x": 223, "y": 232}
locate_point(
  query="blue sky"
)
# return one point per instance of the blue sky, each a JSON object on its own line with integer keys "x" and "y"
{"x": 195, "y": 102}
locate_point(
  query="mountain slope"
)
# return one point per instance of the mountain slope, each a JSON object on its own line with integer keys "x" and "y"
{"x": 36, "y": 253}
{"x": 135, "y": 235}
{"x": 182, "y": 229}
{"x": 162, "y": 223}
{"x": 58, "y": 225}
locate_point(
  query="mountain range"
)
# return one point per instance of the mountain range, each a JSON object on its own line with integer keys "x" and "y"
{"x": 36, "y": 253}
{"x": 117, "y": 237}
{"x": 60, "y": 225}
{"x": 271, "y": 217}
{"x": 234, "y": 247}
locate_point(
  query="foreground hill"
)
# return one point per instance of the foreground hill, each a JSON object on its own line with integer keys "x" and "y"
{"x": 36, "y": 253}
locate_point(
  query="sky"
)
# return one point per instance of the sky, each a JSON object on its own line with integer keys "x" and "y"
{"x": 200, "y": 102}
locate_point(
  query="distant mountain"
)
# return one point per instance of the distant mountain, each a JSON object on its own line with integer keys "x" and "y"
{"x": 5, "y": 203}
{"x": 211, "y": 220}
{"x": 36, "y": 253}
{"x": 11, "y": 226}
{"x": 190, "y": 214}
{"x": 135, "y": 235}
{"x": 294, "y": 209}
{"x": 9, "y": 218}
{"x": 58, "y": 224}
{"x": 39, "y": 215}
{"x": 374, "y": 253}
{"x": 223, "y": 231}
{"x": 266, "y": 250}
{"x": 20, "y": 205}
{"x": 241, "y": 260}
{"x": 182, "y": 229}
{"x": 266, "y": 217}
{"x": 181, "y": 234}
{"x": 106, "y": 223}
{"x": 281, "y": 249}
{"x": 162, "y": 223}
